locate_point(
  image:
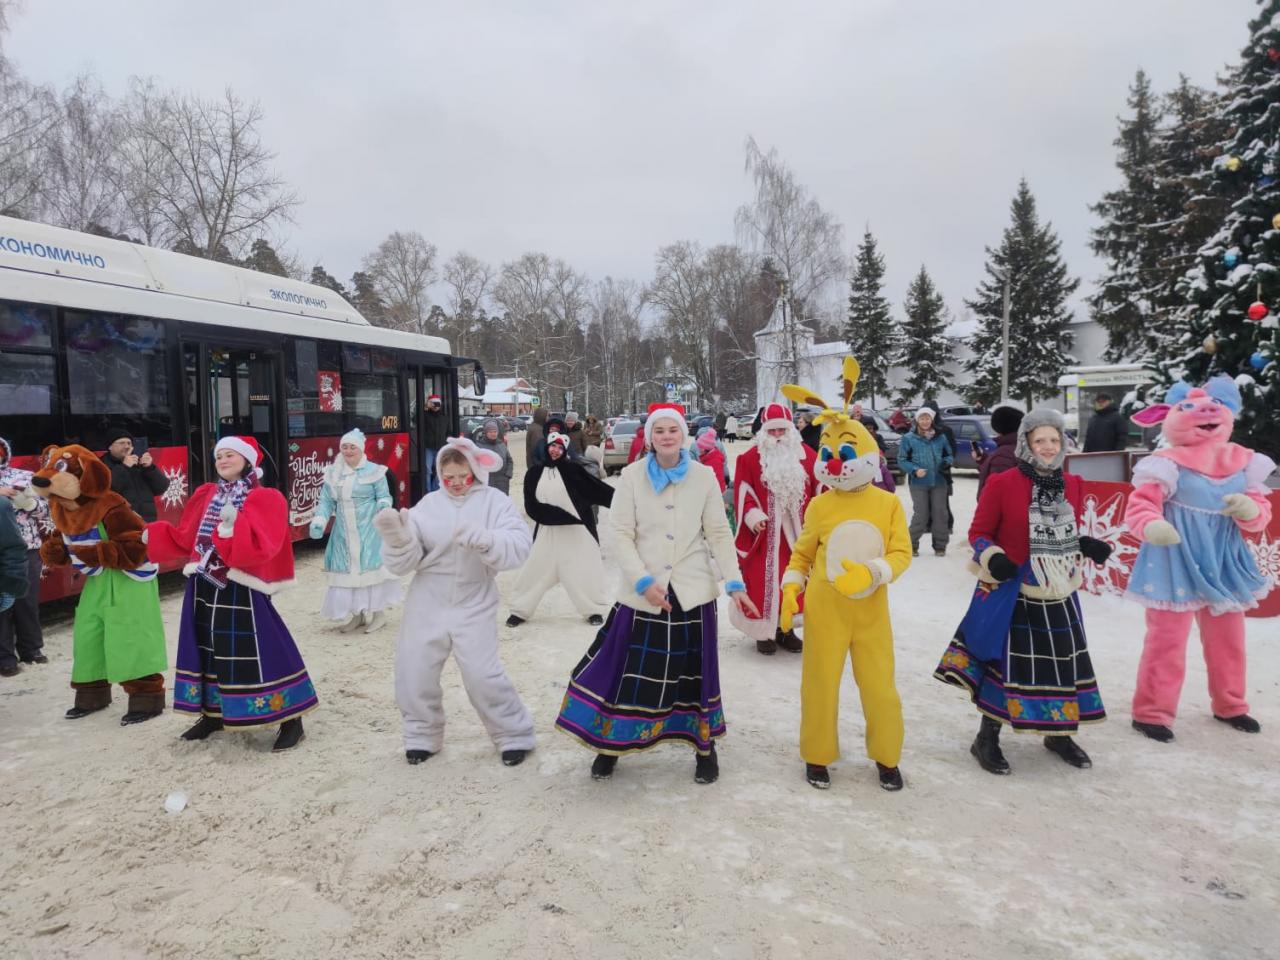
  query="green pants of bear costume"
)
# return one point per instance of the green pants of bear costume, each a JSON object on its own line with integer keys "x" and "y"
{"x": 119, "y": 638}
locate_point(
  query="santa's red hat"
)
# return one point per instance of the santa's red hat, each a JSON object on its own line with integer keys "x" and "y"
{"x": 776, "y": 416}
{"x": 665, "y": 411}
{"x": 434, "y": 398}
{"x": 247, "y": 447}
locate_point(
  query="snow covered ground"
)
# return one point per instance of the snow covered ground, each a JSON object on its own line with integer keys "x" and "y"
{"x": 340, "y": 849}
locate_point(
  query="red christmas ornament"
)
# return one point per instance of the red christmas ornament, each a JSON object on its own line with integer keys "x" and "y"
{"x": 1257, "y": 310}
{"x": 1274, "y": 55}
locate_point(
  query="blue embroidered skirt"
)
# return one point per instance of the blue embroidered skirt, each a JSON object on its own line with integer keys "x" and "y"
{"x": 1043, "y": 682}
{"x": 236, "y": 658}
{"x": 647, "y": 677}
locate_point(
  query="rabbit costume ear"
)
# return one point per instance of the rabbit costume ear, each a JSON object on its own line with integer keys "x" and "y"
{"x": 482, "y": 461}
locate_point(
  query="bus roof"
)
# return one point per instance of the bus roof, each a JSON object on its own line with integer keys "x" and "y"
{"x": 43, "y": 264}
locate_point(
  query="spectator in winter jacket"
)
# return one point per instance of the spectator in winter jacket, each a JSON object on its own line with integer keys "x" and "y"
{"x": 435, "y": 433}
{"x": 721, "y": 420}
{"x": 136, "y": 478}
{"x": 637, "y": 449}
{"x": 14, "y": 583}
{"x": 924, "y": 455}
{"x": 533, "y": 436}
{"x": 493, "y": 437}
{"x": 21, "y": 636}
{"x": 810, "y": 432}
{"x": 593, "y": 431}
{"x": 899, "y": 421}
{"x": 710, "y": 454}
{"x": 868, "y": 421}
{"x": 1107, "y": 428}
{"x": 1005, "y": 419}
{"x": 576, "y": 437}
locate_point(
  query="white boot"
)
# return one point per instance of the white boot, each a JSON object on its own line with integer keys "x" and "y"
{"x": 376, "y": 622}
{"x": 352, "y": 625}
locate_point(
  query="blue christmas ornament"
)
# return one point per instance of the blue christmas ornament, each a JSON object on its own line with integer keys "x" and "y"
{"x": 1266, "y": 181}
{"x": 1257, "y": 361}
{"x": 1230, "y": 259}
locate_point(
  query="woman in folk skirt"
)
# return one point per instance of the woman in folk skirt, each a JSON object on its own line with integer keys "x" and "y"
{"x": 652, "y": 675}
{"x": 1020, "y": 651}
{"x": 237, "y": 665}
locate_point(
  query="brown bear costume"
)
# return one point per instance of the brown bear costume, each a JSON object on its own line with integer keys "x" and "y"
{"x": 118, "y": 635}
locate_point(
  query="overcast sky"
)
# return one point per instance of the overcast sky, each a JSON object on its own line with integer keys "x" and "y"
{"x": 598, "y": 131}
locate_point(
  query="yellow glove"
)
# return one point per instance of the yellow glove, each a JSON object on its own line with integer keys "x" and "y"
{"x": 857, "y": 578}
{"x": 790, "y": 605}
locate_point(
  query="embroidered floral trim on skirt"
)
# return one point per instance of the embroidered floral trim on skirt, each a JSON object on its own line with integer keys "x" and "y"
{"x": 1045, "y": 683}
{"x": 236, "y": 658}
{"x": 648, "y": 677}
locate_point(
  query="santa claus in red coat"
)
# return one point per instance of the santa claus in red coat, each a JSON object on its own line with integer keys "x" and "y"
{"x": 772, "y": 484}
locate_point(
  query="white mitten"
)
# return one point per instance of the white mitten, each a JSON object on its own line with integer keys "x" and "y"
{"x": 474, "y": 538}
{"x": 24, "y": 501}
{"x": 393, "y": 527}
{"x": 1161, "y": 533}
{"x": 228, "y": 525}
{"x": 1239, "y": 506}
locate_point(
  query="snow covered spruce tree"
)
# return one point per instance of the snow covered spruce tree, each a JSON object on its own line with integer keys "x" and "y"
{"x": 926, "y": 348}
{"x": 1122, "y": 302}
{"x": 869, "y": 328}
{"x": 1039, "y": 317}
{"x": 1230, "y": 325}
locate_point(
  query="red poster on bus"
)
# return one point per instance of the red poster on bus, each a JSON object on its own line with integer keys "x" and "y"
{"x": 1103, "y": 518}
{"x": 308, "y": 458}
{"x": 329, "y": 384}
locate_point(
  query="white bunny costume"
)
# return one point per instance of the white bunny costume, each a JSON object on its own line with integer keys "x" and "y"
{"x": 455, "y": 546}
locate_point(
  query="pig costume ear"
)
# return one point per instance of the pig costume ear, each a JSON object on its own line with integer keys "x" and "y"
{"x": 1150, "y": 416}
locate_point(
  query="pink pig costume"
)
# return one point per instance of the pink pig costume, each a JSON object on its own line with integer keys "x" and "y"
{"x": 1191, "y": 505}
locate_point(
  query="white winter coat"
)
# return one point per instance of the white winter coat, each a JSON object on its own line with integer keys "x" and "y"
{"x": 672, "y": 536}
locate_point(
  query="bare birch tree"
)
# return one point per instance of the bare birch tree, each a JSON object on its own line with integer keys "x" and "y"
{"x": 403, "y": 267}
{"x": 79, "y": 161}
{"x": 223, "y": 192}
{"x": 681, "y": 290}
{"x": 28, "y": 121}
{"x": 469, "y": 281}
{"x": 544, "y": 303}
{"x": 144, "y": 172}
{"x": 788, "y": 225}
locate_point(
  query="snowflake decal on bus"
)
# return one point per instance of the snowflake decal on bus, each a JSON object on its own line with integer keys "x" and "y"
{"x": 382, "y": 444}
{"x": 1266, "y": 552}
{"x": 176, "y": 493}
{"x": 1104, "y": 521}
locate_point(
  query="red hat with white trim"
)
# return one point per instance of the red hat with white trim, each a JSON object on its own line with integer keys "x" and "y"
{"x": 776, "y": 416}
{"x": 247, "y": 447}
{"x": 434, "y": 398}
{"x": 665, "y": 411}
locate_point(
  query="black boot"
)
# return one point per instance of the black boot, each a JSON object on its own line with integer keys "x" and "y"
{"x": 789, "y": 641}
{"x": 707, "y": 769}
{"x": 290, "y": 735}
{"x": 514, "y": 621}
{"x": 595, "y": 620}
{"x": 1156, "y": 731}
{"x": 986, "y": 748}
{"x": 817, "y": 776}
{"x": 1069, "y": 751}
{"x": 513, "y": 758}
{"x": 413, "y": 757}
{"x": 890, "y": 777}
{"x": 203, "y": 727}
{"x": 602, "y": 767}
{"x": 1244, "y": 723}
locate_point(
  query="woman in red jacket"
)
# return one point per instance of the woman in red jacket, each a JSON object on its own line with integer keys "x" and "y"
{"x": 1020, "y": 651}
{"x": 237, "y": 663}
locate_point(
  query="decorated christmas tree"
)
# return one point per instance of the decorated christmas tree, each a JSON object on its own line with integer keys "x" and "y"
{"x": 1230, "y": 323}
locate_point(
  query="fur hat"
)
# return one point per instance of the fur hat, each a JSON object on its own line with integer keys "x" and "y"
{"x": 247, "y": 447}
{"x": 665, "y": 411}
{"x": 1006, "y": 415}
{"x": 356, "y": 436}
{"x": 1040, "y": 417}
{"x": 926, "y": 410}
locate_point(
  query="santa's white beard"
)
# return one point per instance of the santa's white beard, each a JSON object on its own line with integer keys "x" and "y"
{"x": 782, "y": 468}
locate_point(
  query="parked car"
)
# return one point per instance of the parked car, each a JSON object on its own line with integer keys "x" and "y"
{"x": 471, "y": 426}
{"x": 617, "y": 445}
{"x": 889, "y": 436}
{"x": 514, "y": 424}
{"x": 700, "y": 421}
{"x": 961, "y": 410}
{"x": 745, "y": 419}
{"x": 972, "y": 431}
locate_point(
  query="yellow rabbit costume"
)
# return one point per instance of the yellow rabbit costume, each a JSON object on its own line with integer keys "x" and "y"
{"x": 854, "y": 542}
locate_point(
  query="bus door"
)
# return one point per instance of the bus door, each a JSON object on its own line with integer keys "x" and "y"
{"x": 232, "y": 392}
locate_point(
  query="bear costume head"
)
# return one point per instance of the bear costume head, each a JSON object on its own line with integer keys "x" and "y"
{"x": 77, "y": 485}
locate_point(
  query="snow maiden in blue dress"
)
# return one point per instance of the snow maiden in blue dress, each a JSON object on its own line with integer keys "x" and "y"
{"x": 360, "y": 587}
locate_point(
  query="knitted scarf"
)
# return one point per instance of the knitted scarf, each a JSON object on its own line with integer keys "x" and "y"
{"x": 211, "y": 566}
{"x": 1055, "y": 545}
{"x": 661, "y": 476}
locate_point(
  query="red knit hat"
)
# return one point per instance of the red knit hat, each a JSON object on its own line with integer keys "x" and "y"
{"x": 247, "y": 447}
{"x": 665, "y": 411}
{"x": 775, "y": 416}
